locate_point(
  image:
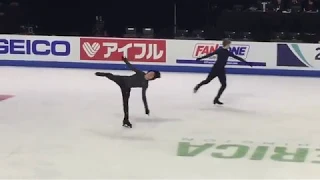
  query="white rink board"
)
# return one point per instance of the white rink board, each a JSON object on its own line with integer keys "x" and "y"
{"x": 165, "y": 55}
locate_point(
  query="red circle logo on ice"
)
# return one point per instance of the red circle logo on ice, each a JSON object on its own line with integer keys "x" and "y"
{"x": 110, "y": 49}
{"x": 5, "y": 97}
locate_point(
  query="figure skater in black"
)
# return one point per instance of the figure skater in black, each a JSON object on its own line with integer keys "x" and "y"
{"x": 218, "y": 69}
{"x": 138, "y": 80}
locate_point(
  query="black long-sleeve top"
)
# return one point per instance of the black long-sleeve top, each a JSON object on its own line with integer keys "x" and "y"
{"x": 223, "y": 56}
{"x": 137, "y": 80}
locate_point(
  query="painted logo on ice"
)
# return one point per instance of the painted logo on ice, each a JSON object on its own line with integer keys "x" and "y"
{"x": 250, "y": 150}
{"x": 5, "y": 97}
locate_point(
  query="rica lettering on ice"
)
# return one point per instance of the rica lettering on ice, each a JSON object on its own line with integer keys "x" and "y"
{"x": 259, "y": 152}
{"x": 35, "y": 47}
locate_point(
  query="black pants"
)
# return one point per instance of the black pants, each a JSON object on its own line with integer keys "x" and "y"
{"x": 221, "y": 74}
{"x": 125, "y": 94}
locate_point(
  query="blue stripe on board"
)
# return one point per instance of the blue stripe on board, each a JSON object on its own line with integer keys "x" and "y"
{"x": 165, "y": 68}
{"x": 237, "y": 63}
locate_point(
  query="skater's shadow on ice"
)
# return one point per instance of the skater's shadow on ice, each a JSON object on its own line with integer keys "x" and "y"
{"x": 238, "y": 95}
{"x": 153, "y": 119}
{"x": 229, "y": 110}
{"x": 119, "y": 136}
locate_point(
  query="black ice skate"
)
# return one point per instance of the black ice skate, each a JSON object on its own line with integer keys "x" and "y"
{"x": 195, "y": 90}
{"x": 126, "y": 124}
{"x": 216, "y": 101}
{"x": 101, "y": 74}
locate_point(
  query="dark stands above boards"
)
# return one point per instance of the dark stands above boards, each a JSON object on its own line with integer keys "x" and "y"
{"x": 248, "y": 20}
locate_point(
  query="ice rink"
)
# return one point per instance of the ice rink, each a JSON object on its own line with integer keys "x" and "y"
{"x": 66, "y": 123}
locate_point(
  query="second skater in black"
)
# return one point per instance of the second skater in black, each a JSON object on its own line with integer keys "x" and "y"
{"x": 218, "y": 69}
{"x": 138, "y": 80}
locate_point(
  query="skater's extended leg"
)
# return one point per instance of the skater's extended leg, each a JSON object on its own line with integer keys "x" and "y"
{"x": 116, "y": 79}
{"x": 125, "y": 99}
{"x": 210, "y": 77}
{"x": 223, "y": 80}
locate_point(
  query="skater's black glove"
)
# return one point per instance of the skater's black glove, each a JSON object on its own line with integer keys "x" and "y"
{"x": 198, "y": 59}
{"x": 124, "y": 58}
{"x": 250, "y": 64}
{"x": 147, "y": 112}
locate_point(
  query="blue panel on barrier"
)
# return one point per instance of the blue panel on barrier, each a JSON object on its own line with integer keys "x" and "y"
{"x": 238, "y": 63}
{"x": 165, "y": 68}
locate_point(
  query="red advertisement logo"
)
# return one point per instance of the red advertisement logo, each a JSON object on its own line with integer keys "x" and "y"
{"x": 203, "y": 49}
{"x": 139, "y": 50}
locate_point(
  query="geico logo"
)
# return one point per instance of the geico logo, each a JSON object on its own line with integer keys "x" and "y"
{"x": 35, "y": 47}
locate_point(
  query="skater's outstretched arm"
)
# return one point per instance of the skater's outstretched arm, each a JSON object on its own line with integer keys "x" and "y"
{"x": 240, "y": 59}
{"x": 208, "y": 55}
{"x": 144, "y": 99}
{"x": 130, "y": 66}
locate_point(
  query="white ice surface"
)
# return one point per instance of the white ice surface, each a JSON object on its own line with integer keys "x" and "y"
{"x": 66, "y": 123}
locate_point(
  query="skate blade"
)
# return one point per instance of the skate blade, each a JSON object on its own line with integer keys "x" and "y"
{"x": 127, "y": 126}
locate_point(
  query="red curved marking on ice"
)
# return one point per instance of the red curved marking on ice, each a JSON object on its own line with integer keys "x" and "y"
{"x": 4, "y": 97}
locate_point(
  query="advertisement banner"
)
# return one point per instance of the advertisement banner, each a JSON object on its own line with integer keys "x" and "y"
{"x": 298, "y": 56}
{"x": 111, "y": 49}
{"x": 16, "y": 47}
{"x": 259, "y": 54}
{"x": 165, "y": 55}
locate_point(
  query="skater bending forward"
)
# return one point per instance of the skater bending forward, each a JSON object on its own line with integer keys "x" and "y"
{"x": 137, "y": 80}
{"x": 218, "y": 69}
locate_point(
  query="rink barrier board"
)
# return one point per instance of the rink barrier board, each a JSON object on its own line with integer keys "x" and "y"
{"x": 164, "y": 68}
{"x": 278, "y": 59}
